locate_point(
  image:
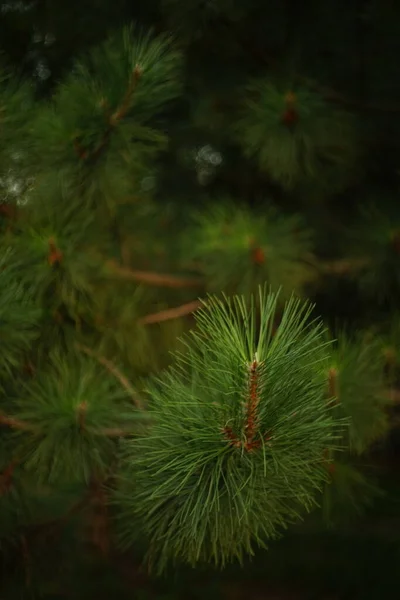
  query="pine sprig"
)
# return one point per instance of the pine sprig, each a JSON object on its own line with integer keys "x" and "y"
{"x": 378, "y": 242}
{"x": 16, "y": 104}
{"x": 49, "y": 251}
{"x": 69, "y": 408}
{"x": 241, "y": 426}
{"x": 356, "y": 377}
{"x": 349, "y": 493}
{"x": 102, "y": 126}
{"x": 238, "y": 249}
{"x": 295, "y": 136}
{"x": 19, "y": 318}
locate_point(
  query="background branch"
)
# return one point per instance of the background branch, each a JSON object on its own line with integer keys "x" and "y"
{"x": 163, "y": 280}
{"x": 114, "y": 371}
{"x": 171, "y": 313}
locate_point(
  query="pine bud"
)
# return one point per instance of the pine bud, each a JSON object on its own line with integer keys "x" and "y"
{"x": 290, "y": 115}
{"x": 138, "y": 71}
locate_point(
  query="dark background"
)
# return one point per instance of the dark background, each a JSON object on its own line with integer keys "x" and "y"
{"x": 352, "y": 50}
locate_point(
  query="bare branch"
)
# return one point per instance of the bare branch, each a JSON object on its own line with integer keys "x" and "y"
{"x": 160, "y": 279}
{"x": 14, "y": 423}
{"x": 116, "y": 372}
{"x": 171, "y": 313}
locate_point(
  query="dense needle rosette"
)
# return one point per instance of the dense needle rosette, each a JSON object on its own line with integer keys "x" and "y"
{"x": 242, "y": 422}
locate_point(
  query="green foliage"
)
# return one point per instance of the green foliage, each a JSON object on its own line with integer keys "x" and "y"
{"x": 239, "y": 249}
{"x": 349, "y": 494}
{"x": 377, "y": 243}
{"x": 260, "y": 419}
{"x": 241, "y": 422}
{"x": 68, "y": 408}
{"x": 16, "y": 104}
{"x": 357, "y": 381}
{"x": 294, "y": 135}
{"x": 79, "y": 140}
{"x": 51, "y": 256}
{"x": 19, "y": 319}
{"x": 119, "y": 331}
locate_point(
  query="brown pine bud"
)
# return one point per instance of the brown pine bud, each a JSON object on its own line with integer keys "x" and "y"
{"x": 258, "y": 256}
{"x": 55, "y": 255}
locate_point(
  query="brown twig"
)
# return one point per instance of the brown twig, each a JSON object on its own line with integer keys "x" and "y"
{"x": 251, "y": 423}
{"x": 335, "y": 267}
{"x": 333, "y": 384}
{"x": 125, "y": 104}
{"x": 14, "y": 423}
{"x": 7, "y": 476}
{"x": 163, "y": 280}
{"x": 113, "y": 120}
{"x": 116, "y": 432}
{"x": 114, "y": 371}
{"x": 171, "y": 313}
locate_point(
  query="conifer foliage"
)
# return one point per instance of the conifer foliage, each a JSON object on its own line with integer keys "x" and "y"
{"x": 262, "y": 413}
{"x": 242, "y": 425}
{"x": 307, "y": 137}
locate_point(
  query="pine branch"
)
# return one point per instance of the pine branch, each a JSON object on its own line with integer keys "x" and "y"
{"x": 14, "y": 423}
{"x": 7, "y": 476}
{"x": 157, "y": 279}
{"x": 125, "y": 105}
{"x": 18, "y": 424}
{"x": 240, "y": 248}
{"x": 171, "y": 313}
{"x": 116, "y": 372}
{"x": 117, "y": 116}
{"x": 238, "y": 438}
{"x": 356, "y": 378}
{"x": 139, "y": 53}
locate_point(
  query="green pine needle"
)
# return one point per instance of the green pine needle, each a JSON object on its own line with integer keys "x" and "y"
{"x": 102, "y": 128}
{"x": 349, "y": 493}
{"x": 357, "y": 381}
{"x": 68, "y": 406}
{"x": 239, "y": 249}
{"x": 293, "y": 148}
{"x": 68, "y": 282}
{"x": 242, "y": 421}
{"x": 377, "y": 241}
{"x": 19, "y": 318}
